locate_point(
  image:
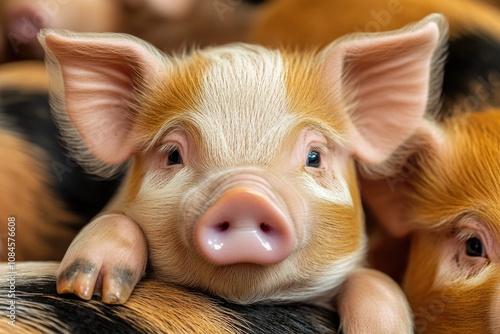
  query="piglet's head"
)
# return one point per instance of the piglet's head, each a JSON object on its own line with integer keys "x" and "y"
{"x": 446, "y": 199}
{"x": 241, "y": 159}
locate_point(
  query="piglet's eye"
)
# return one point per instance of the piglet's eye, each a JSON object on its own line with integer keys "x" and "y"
{"x": 474, "y": 247}
{"x": 174, "y": 158}
{"x": 313, "y": 159}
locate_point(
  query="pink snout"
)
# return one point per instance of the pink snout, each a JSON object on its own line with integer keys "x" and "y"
{"x": 245, "y": 226}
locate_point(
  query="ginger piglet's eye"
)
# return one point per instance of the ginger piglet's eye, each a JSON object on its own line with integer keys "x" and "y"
{"x": 474, "y": 247}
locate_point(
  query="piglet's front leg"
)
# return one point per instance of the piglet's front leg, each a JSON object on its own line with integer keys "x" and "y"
{"x": 108, "y": 256}
{"x": 371, "y": 302}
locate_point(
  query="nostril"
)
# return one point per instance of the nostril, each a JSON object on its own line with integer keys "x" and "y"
{"x": 223, "y": 226}
{"x": 265, "y": 227}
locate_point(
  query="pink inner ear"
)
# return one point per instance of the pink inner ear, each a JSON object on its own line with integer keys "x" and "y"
{"x": 388, "y": 79}
{"x": 88, "y": 90}
{"x": 99, "y": 78}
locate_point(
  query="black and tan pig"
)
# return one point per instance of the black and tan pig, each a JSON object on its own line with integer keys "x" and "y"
{"x": 30, "y": 304}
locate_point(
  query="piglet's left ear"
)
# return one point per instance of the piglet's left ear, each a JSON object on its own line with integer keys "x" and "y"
{"x": 391, "y": 79}
{"x": 95, "y": 78}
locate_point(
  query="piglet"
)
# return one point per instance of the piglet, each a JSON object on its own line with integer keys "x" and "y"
{"x": 240, "y": 164}
{"x": 445, "y": 199}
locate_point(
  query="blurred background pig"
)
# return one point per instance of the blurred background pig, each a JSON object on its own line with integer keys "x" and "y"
{"x": 240, "y": 177}
{"x": 22, "y": 19}
{"x": 169, "y": 25}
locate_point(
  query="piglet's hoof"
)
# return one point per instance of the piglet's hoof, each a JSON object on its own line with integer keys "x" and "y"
{"x": 108, "y": 257}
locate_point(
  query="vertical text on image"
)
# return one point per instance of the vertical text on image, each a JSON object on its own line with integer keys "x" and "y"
{"x": 11, "y": 274}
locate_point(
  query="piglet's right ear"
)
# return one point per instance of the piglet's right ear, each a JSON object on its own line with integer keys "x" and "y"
{"x": 390, "y": 79}
{"x": 100, "y": 75}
